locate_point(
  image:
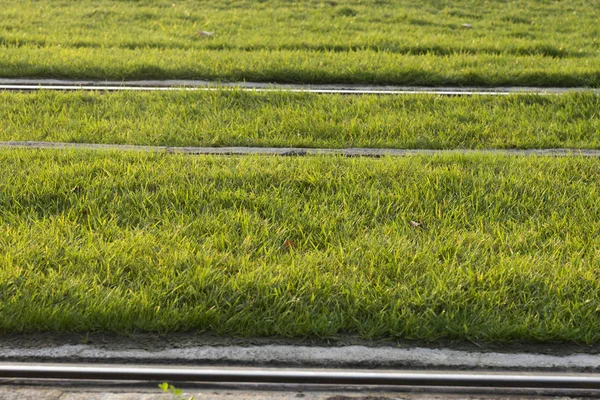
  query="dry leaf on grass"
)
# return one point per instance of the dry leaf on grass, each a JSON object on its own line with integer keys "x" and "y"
{"x": 415, "y": 224}
{"x": 205, "y": 33}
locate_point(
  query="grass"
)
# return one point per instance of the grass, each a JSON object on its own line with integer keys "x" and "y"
{"x": 233, "y": 118}
{"x": 301, "y": 247}
{"x": 474, "y": 247}
{"x": 534, "y": 42}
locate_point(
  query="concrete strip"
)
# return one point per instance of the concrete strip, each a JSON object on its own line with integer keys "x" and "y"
{"x": 149, "y": 85}
{"x": 23, "y": 392}
{"x": 298, "y": 151}
{"x": 330, "y": 357}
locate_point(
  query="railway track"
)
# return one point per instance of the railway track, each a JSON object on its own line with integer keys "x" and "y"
{"x": 432, "y": 381}
{"x": 341, "y": 89}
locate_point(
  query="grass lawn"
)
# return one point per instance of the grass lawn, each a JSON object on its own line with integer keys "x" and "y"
{"x": 508, "y": 248}
{"x": 419, "y": 42}
{"x": 230, "y": 118}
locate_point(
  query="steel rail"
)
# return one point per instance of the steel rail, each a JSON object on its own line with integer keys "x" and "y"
{"x": 29, "y": 88}
{"x": 60, "y": 85}
{"x": 299, "y": 376}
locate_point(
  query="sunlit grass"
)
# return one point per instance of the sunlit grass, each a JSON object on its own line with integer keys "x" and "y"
{"x": 508, "y": 248}
{"x": 233, "y": 118}
{"x": 370, "y": 41}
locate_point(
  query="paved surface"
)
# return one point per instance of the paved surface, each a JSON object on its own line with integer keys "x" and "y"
{"x": 149, "y": 85}
{"x": 10, "y": 392}
{"x": 297, "y": 151}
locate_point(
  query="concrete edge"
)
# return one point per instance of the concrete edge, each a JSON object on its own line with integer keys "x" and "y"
{"x": 297, "y": 151}
{"x": 354, "y": 356}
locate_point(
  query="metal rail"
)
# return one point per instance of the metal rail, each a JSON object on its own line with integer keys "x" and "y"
{"x": 299, "y": 376}
{"x": 29, "y": 88}
{"x": 170, "y": 85}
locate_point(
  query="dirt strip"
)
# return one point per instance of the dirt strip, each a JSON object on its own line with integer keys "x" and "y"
{"x": 297, "y": 151}
{"x": 149, "y": 85}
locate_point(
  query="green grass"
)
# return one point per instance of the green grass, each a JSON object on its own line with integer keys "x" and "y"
{"x": 229, "y": 118}
{"x": 535, "y": 42}
{"x": 508, "y": 249}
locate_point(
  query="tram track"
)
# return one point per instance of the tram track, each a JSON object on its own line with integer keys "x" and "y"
{"x": 24, "y": 85}
{"x": 583, "y": 384}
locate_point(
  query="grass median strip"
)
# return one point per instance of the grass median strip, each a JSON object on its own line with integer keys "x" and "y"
{"x": 364, "y": 41}
{"x": 485, "y": 248}
{"x": 280, "y": 119}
